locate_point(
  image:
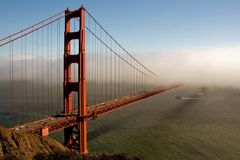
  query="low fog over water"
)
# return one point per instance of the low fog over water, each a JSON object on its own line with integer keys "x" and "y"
{"x": 213, "y": 66}
{"x": 203, "y": 67}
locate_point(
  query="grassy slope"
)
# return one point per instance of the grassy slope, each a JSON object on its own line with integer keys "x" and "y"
{"x": 163, "y": 127}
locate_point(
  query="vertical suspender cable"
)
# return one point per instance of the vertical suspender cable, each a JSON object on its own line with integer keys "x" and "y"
{"x": 102, "y": 70}
{"x": 32, "y": 58}
{"x": 106, "y": 68}
{"x": 22, "y": 83}
{"x": 115, "y": 73}
{"x": 13, "y": 94}
{"x": 100, "y": 67}
{"x": 111, "y": 94}
{"x": 10, "y": 76}
{"x": 51, "y": 58}
{"x": 48, "y": 99}
{"x": 119, "y": 72}
{"x": 37, "y": 79}
{"x": 57, "y": 80}
{"x": 123, "y": 74}
{"x": 25, "y": 73}
{"x": 43, "y": 106}
{"x": 95, "y": 71}
{"x": 92, "y": 72}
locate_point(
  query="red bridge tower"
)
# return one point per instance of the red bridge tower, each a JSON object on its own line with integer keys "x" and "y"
{"x": 75, "y": 136}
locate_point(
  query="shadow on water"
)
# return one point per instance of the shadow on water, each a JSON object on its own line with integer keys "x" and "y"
{"x": 179, "y": 110}
{"x": 111, "y": 125}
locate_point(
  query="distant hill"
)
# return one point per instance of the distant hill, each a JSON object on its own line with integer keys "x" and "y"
{"x": 14, "y": 146}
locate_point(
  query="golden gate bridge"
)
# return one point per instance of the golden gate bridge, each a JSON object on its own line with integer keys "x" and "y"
{"x": 65, "y": 70}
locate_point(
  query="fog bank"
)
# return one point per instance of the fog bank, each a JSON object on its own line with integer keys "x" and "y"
{"x": 213, "y": 66}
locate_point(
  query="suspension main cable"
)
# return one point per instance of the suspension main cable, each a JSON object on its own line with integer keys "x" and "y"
{"x": 33, "y": 30}
{"x": 31, "y": 26}
{"x": 119, "y": 44}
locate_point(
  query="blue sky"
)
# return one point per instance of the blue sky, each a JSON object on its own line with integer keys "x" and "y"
{"x": 141, "y": 25}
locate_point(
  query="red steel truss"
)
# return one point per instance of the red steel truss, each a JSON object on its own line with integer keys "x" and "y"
{"x": 62, "y": 121}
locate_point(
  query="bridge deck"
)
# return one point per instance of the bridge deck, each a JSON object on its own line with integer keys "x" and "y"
{"x": 61, "y": 121}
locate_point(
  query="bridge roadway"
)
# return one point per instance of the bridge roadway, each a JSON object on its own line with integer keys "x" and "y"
{"x": 56, "y": 123}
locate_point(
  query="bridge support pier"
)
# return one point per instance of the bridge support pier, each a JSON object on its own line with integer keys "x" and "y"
{"x": 75, "y": 136}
